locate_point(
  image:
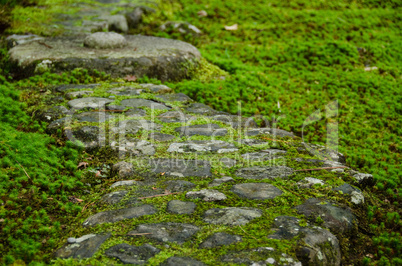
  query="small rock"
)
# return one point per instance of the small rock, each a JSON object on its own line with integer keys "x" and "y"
{"x": 128, "y": 254}
{"x": 83, "y": 247}
{"x": 193, "y": 146}
{"x": 220, "y": 181}
{"x": 123, "y": 169}
{"x": 156, "y": 88}
{"x": 89, "y": 102}
{"x": 161, "y": 137}
{"x": 181, "y": 261}
{"x": 201, "y": 109}
{"x": 182, "y": 27}
{"x": 105, "y": 40}
{"x": 179, "y": 185}
{"x": 181, "y": 207}
{"x": 308, "y": 182}
{"x": 206, "y": 195}
{"x": 181, "y": 168}
{"x": 257, "y": 191}
{"x": 175, "y": 117}
{"x": 203, "y": 130}
{"x": 124, "y": 183}
{"x": 264, "y": 172}
{"x": 220, "y": 239}
{"x": 77, "y": 94}
{"x": 113, "y": 197}
{"x": 231, "y": 215}
{"x": 143, "y": 103}
{"x": 227, "y": 162}
{"x": 117, "y": 23}
{"x": 175, "y": 97}
{"x": 271, "y": 131}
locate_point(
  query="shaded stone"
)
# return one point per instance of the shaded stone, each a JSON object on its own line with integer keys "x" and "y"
{"x": 165, "y": 59}
{"x": 264, "y": 172}
{"x": 105, "y": 40}
{"x": 271, "y": 131}
{"x": 203, "y": 130}
{"x": 181, "y": 207}
{"x": 89, "y": 103}
{"x": 133, "y": 126}
{"x": 217, "y": 182}
{"x": 143, "y": 103}
{"x": 175, "y": 97}
{"x": 134, "y": 147}
{"x": 337, "y": 219}
{"x": 52, "y": 113}
{"x": 181, "y": 168}
{"x": 123, "y": 169}
{"x": 128, "y": 254}
{"x": 134, "y": 18}
{"x": 179, "y": 185}
{"x": 83, "y": 247}
{"x": 316, "y": 246}
{"x": 192, "y": 146}
{"x": 264, "y": 155}
{"x": 135, "y": 112}
{"x": 89, "y": 136}
{"x": 113, "y": 197}
{"x": 227, "y": 162}
{"x": 206, "y": 195}
{"x": 362, "y": 180}
{"x": 201, "y": 109}
{"x": 167, "y": 232}
{"x": 175, "y": 117}
{"x": 181, "y": 261}
{"x": 156, "y": 88}
{"x": 58, "y": 123}
{"x": 308, "y": 182}
{"x": 257, "y": 191}
{"x": 231, "y": 215}
{"x": 161, "y": 137}
{"x": 235, "y": 121}
{"x": 78, "y": 94}
{"x": 116, "y": 23}
{"x": 220, "y": 239}
{"x": 118, "y": 215}
{"x": 98, "y": 117}
{"x": 124, "y": 183}
{"x": 355, "y": 193}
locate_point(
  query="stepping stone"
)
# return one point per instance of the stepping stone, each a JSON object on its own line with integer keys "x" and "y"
{"x": 135, "y": 112}
{"x": 95, "y": 117}
{"x": 180, "y": 167}
{"x": 134, "y": 147}
{"x": 257, "y": 191}
{"x": 227, "y": 162}
{"x": 201, "y": 109}
{"x": 123, "y": 169}
{"x": 231, "y": 215}
{"x": 217, "y": 182}
{"x": 355, "y": 193}
{"x": 113, "y": 197}
{"x": 203, "y": 130}
{"x": 175, "y": 117}
{"x": 167, "y": 232}
{"x": 206, "y": 195}
{"x": 161, "y": 137}
{"x": 125, "y": 91}
{"x": 235, "y": 121}
{"x": 181, "y": 261}
{"x": 63, "y": 88}
{"x": 175, "y": 97}
{"x": 220, "y": 239}
{"x": 119, "y": 215}
{"x": 128, "y": 254}
{"x": 143, "y": 103}
{"x": 78, "y": 94}
{"x": 264, "y": 172}
{"x": 112, "y": 107}
{"x": 181, "y": 207}
{"x": 133, "y": 126}
{"x": 337, "y": 219}
{"x": 271, "y": 131}
{"x": 90, "y": 136}
{"x": 315, "y": 244}
{"x": 252, "y": 142}
{"x": 259, "y": 256}
{"x": 192, "y": 146}
{"x": 83, "y": 247}
{"x": 89, "y": 103}
{"x": 125, "y": 183}
{"x": 309, "y": 182}
{"x": 179, "y": 185}
{"x": 143, "y": 55}
{"x": 156, "y": 88}
{"x": 264, "y": 155}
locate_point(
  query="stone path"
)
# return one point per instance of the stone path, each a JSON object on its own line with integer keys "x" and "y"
{"x": 182, "y": 183}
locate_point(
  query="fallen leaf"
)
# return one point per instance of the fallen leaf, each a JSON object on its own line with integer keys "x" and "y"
{"x": 167, "y": 191}
{"x": 130, "y": 78}
{"x": 98, "y": 174}
{"x": 1, "y": 220}
{"x": 154, "y": 188}
{"x": 74, "y": 199}
{"x": 202, "y": 13}
{"x": 83, "y": 165}
{"x": 163, "y": 173}
{"x": 49, "y": 198}
{"x": 233, "y": 27}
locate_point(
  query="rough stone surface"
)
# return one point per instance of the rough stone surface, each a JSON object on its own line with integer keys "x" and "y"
{"x": 175, "y": 117}
{"x": 128, "y": 254}
{"x": 206, "y": 195}
{"x": 156, "y": 88}
{"x": 134, "y": 147}
{"x": 113, "y": 197}
{"x": 252, "y": 142}
{"x": 264, "y": 172}
{"x": 142, "y": 55}
{"x": 167, "y": 232}
{"x": 78, "y": 94}
{"x": 220, "y": 239}
{"x": 355, "y": 193}
{"x": 118, "y": 215}
{"x": 227, "y": 162}
{"x": 175, "y": 97}
{"x": 89, "y": 103}
{"x": 134, "y": 125}
{"x": 161, "y": 137}
{"x": 201, "y": 109}
{"x": 125, "y": 91}
{"x": 93, "y": 117}
{"x": 124, "y": 183}
{"x": 123, "y": 169}
{"x": 231, "y": 215}
{"x": 271, "y": 131}
{"x": 363, "y": 180}
{"x": 264, "y": 155}
{"x": 308, "y": 182}
{"x": 219, "y": 181}
{"x": 105, "y": 40}
{"x": 182, "y": 261}
{"x": 179, "y": 185}
{"x": 257, "y": 191}
{"x": 181, "y": 207}
{"x": 181, "y": 168}
{"x": 203, "y": 130}
{"x": 83, "y": 247}
{"x": 192, "y": 146}
{"x": 143, "y": 103}
{"x": 235, "y": 121}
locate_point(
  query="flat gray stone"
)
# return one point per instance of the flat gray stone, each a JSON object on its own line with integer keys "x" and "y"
{"x": 264, "y": 172}
{"x": 257, "y": 191}
{"x": 135, "y": 112}
{"x": 356, "y": 194}
{"x": 133, "y": 146}
{"x": 124, "y": 183}
{"x": 66, "y": 87}
{"x": 93, "y": 117}
{"x": 15, "y": 39}
{"x": 227, "y": 162}
{"x": 161, "y": 137}
{"x": 231, "y": 215}
{"x": 105, "y": 40}
{"x": 206, "y": 195}
{"x": 308, "y": 182}
{"x": 220, "y": 239}
{"x": 128, "y": 254}
{"x": 192, "y": 146}
{"x": 181, "y": 207}
{"x": 337, "y": 219}
{"x": 89, "y": 103}
{"x": 113, "y": 197}
{"x": 252, "y": 142}
{"x": 133, "y": 126}
{"x": 179, "y": 185}
{"x": 119, "y": 215}
{"x": 203, "y": 130}
{"x": 271, "y": 131}
{"x": 167, "y": 232}
{"x": 125, "y": 91}
{"x": 143, "y": 103}
{"x": 123, "y": 169}
{"x": 182, "y": 261}
{"x": 83, "y": 247}
{"x": 90, "y": 136}
{"x": 217, "y": 182}
{"x": 175, "y": 117}
{"x": 175, "y": 97}
{"x": 201, "y": 109}
{"x": 78, "y": 94}
{"x": 235, "y": 121}
{"x": 264, "y": 155}
{"x": 156, "y": 88}
{"x": 143, "y": 55}
{"x": 181, "y": 168}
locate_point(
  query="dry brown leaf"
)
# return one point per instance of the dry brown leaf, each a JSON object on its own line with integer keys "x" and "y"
{"x": 233, "y": 27}
{"x": 83, "y": 165}
{"x": 154, "y": 188}
{"x": 163, "y": 173}
{"x": 98, "y": 174}
{"x": 130, "y": 78}
{"x": 202, "y": 13}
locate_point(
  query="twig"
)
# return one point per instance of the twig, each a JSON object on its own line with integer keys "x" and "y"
{"x": 323, "y": 168}
{"x": 87, "y": 205}
{"x": 247, "y": 233}
{"x": 159, "y": 195}
{"x": 44, "y": 44}
{"x": 23, "y": 169}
